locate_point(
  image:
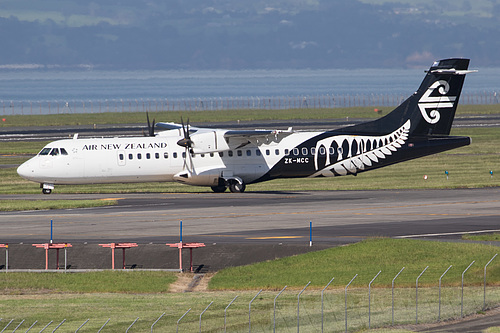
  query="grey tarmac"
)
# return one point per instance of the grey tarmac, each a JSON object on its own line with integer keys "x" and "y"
{"x": 338, "y": 217}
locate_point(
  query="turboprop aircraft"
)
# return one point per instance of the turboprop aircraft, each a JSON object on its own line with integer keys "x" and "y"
{"x": 223, "y": 159}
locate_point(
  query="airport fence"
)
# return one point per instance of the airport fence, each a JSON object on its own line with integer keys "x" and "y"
{"x": 326, "y": 309}
{"x": 12, "y": 107}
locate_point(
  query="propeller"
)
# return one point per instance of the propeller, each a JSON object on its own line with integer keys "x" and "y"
{"x": 186, "y": 141}
{"x": 151, "y": 126}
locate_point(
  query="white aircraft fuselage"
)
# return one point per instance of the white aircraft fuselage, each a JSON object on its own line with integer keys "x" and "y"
{"x": 231, "y": 159}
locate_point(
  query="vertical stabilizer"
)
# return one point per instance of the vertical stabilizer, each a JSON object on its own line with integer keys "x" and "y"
{"x": 432, "y": 107}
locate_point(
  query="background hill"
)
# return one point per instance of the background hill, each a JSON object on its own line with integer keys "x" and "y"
{"x": 237, "y": 34}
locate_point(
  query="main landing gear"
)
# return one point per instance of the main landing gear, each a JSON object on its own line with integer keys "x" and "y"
{"x": 235, "y": 185}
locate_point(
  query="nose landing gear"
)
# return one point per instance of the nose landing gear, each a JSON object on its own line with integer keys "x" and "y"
{"x": 47, "y": 188}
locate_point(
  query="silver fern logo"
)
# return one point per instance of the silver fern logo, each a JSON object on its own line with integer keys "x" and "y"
{"x": 347, "y": 154}
{"x": 429, "y": 105}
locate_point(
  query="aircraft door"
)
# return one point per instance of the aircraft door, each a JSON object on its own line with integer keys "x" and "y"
{"x": 121, "y": 158}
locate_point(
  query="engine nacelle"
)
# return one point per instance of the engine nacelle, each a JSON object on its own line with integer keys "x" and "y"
{"x": 209, "y": 142}
{"x": 208, "y": 177}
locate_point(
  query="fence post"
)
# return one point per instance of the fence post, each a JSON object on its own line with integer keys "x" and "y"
{"x": 86, "y": 321}
{"x": 15, "y": 329}
{"x": 322, "y": 291}
{"x": 7, "y": 325}
{"x": 462, "y": 302}
{"x": 416, "y": 295}
{"x": 484, "y": 298}
{"x": 250, "y": 311}
{"x": 369, "y": 299}
{"x": 439, "y": 312}
{"x": 274, "y": 308}
{"x": 298, "y": 305}
{"x": 43, "y": 329}
{"x": 226, "y": 310}
{"x": 136, "y": 319}
{"x": 201, "y": 314}
{"x": 156, "y": 321}
{"x": 177, "y": 329}
{"x": 36, "y": 321}
{"x": 345, "y": 298}
{"x": 393, "y": 294}
{"x": 62, "y": 322}
{"x": 107, "y": 321}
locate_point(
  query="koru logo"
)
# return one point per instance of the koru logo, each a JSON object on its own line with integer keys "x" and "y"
{"x": 435, "y": 103}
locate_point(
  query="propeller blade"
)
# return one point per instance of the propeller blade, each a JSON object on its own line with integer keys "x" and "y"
{"x": 152, "y": 128}
{"x": 186, "y": 142}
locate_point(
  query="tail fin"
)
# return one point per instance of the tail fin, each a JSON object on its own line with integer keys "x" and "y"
{"x": 432, "y": 107}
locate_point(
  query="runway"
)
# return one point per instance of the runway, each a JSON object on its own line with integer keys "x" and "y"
{"x": 338, "y": 217}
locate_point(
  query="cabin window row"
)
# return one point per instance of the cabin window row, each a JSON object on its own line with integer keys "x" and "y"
{"x": 229, "y": 153}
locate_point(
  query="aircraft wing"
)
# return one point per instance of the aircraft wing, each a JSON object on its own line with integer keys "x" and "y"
{"x": 209, "y": 140}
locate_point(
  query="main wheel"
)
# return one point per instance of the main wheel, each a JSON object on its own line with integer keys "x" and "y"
{"x": 46, "y": 191}
{"x": 219, "y": 188}
{"x": 236, "y": 187}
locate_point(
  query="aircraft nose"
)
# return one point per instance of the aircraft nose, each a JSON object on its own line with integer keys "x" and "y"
{"x": 25, "y": 170}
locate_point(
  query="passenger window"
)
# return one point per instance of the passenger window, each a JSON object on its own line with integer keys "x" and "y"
{"x": 257, "y": 152}
{"x": 175, "y": 155}
{"x": 157, "y": 155}
{"x": 183, "y": 154}
{"x": 221, "y": 154}
{"x": 331, "y": 151}
{"x": 268, "y": 152}
{"x": 249, "y": 152}
{"x": 148, "y": 156}
{"x": 202, "y": 155}
{"x": 44, "y": 151}
{"x": 277, "y": 152}
{"x": 295, "y": 151}
{"x": 322, "y": 150}
{"x": 240, "y": 153}
{"x": 130, "y": 156}
{"x": 304, "y": 151}
{"x": 313, "y": 150}
{"x": 139, "y": 156}
{"x": 165, "y": 155}
{"x": 230, "y": 153}
{"x": 54, "y": 152}
{"x": 63, "y": 151}
{"x": 286, "y": 151}
{"x": 211, "y": 154}
{"x": 121, "y": 157}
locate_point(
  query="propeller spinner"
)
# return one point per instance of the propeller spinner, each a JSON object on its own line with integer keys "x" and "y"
{"x": 185, "y": 142}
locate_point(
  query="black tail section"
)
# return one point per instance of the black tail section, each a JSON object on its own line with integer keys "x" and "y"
{"x": 431, "y": 108}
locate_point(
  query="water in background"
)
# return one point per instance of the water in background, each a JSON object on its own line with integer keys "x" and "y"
{"x": 62, "y": 88}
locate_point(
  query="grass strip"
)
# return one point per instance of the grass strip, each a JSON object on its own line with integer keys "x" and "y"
{"x": 217, "y": 116}
{"x": 366, "y": 259}
{"x": 492, "y": 237}
{"x": 90, "y": 282}
{"x": 15, "y": 205}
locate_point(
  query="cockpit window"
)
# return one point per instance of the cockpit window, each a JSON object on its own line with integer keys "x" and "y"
{"x": 45, "y": 151}
{"x": 54, "y": 152}
{"x": 63, "y": 151}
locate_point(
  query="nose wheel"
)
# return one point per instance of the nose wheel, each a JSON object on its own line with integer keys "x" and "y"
{"x": 47, "y": 188}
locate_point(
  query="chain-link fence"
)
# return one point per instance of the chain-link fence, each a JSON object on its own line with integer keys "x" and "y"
{"x": 12, "y": 107}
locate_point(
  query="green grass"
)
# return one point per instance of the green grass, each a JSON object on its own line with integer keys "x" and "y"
{"x": 365, "y": 259}
{"x": 14, "y": 205}
{"x": 492, "y": 237}
{"x": 216, "y": 116}
{"x": 92, "y": 282}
